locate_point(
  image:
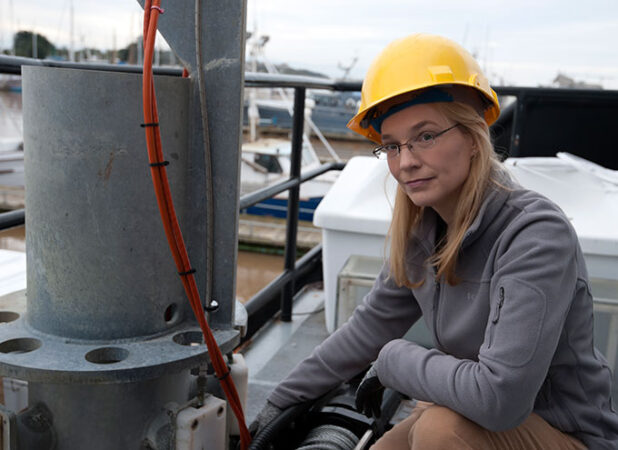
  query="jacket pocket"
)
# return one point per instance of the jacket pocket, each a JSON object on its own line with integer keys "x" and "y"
{"x": 495, "y": 315}
{"x": 515, "y": 323}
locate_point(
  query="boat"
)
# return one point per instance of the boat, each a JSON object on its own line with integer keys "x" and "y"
{"x": 10, "y": 83}
{"x": 10, "y": 145}
{"x": 327, "y": 113}
{"x": 265, "y": 162}
{"x": 330, "y": 112}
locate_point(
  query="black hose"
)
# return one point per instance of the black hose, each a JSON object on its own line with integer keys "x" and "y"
{"x": 329, "y": 436}
{"x": 266, "y": 435}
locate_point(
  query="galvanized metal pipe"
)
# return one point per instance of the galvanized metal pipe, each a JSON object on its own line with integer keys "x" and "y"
{"x": 107, "y": 318}
{"x": 91, "y": 207}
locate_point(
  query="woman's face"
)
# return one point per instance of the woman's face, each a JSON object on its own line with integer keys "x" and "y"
{"x": 433, "y": 176}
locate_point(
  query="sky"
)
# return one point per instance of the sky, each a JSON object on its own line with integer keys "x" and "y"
{"x": 519, "y": 42}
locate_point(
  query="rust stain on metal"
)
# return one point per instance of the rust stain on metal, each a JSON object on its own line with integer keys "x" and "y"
{"x": 108, "y": 168}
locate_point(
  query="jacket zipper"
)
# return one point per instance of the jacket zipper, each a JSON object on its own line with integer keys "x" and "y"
{"x": 499, "y": 308}
{"x": 496, "y": 316}
{"x": 436, "y": 305}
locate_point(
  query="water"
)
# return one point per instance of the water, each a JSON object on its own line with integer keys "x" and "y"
{"x": 13, "y": 239}
{"x": 254, "y": 271}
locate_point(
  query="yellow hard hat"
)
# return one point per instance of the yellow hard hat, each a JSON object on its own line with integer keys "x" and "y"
{"x": 410, "y": 65}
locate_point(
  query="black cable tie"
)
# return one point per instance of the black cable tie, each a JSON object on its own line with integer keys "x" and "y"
{"x": 157, "y": 164}
{"x": 151, "y": 124}
{"x": 224, "y": 376}
{"x": 188, "y": 272}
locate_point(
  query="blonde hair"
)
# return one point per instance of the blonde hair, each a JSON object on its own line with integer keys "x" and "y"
{"x": 407, "y": 216}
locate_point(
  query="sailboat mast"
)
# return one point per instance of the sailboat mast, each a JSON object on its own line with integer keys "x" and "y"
{"x": 71, "y": 32}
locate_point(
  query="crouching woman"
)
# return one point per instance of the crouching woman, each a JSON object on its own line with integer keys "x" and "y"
{"x": 494, "y": 270}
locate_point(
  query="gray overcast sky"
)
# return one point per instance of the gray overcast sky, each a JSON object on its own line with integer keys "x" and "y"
{"x": 520, "y": 42}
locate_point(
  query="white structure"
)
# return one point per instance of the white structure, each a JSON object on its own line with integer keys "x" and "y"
{"x": 354, "y": 217}
{"x": 588, "y": 194}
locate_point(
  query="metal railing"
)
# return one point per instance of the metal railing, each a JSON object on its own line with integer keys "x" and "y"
{"x": 277, "y": 295}
{"x": 12, "y": 219}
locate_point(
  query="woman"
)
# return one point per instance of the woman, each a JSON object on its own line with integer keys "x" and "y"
{"x": 495, "y": 271}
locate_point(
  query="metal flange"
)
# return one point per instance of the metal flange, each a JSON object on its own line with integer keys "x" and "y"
{"x": 28, "y": 354}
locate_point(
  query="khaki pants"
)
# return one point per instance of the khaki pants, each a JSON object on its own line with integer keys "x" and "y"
{"x": 432, "y": 427}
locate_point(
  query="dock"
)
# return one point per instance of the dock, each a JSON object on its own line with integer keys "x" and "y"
{"x": 12, "y": 191}
{"x": 270, "y": 231}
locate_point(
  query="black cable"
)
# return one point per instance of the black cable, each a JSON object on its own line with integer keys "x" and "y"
{"x": 268, "y": 433}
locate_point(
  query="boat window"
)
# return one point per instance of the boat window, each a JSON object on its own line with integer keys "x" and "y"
{"x": 269, "y": 162}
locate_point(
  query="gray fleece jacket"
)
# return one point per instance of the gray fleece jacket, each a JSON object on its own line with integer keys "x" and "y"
{"x": 513, "y": 337}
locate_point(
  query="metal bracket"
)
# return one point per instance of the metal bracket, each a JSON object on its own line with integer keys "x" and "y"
{"x": 8, "y": 429}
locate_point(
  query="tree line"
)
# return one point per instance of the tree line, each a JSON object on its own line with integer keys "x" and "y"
{"x": 24, "y": 45}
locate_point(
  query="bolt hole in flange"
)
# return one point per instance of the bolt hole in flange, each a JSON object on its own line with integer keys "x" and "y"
{"x": 19, "y": 345}
{"x": 8, "y": 316}
{"x": 171, "y": 313}
{"x": 107, "y": 355}
{"x": 189, "y": 338}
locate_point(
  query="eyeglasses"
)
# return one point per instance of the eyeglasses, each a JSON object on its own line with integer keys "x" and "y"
{"x": 423, "y": 141}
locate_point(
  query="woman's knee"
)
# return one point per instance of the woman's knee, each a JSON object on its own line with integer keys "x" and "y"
{"x": 442, "y": 428}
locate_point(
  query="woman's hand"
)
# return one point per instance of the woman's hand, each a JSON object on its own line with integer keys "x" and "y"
{"x": 369, "y": 394}
{"x": 268, "y": 413}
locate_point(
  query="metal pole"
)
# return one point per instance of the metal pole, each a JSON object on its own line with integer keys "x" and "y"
{"x": 518, "y": 123}
{"x": 109, "y": 338}
{"x": 292, "y": 215}
{"x": 222, "y": 36}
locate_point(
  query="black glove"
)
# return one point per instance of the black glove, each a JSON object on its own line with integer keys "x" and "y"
{"x": 268, "y": 413}
{"x": 369, "y": 394}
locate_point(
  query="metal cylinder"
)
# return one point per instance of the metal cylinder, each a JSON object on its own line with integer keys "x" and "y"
{"x": 98, "y": 262}
{"x": 110, "y": 416}
{"x": 109, "y": 337}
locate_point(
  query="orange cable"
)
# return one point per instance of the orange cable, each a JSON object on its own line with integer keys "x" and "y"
{"x": 170, "y": 221}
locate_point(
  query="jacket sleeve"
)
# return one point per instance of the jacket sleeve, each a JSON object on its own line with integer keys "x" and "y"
{"x": 387, "y": 312}
{"x": 532, "y": 287}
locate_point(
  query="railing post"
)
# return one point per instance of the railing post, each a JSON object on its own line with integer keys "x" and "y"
{"x": 518, "y": 124}
{"x": 292, "y": 214}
